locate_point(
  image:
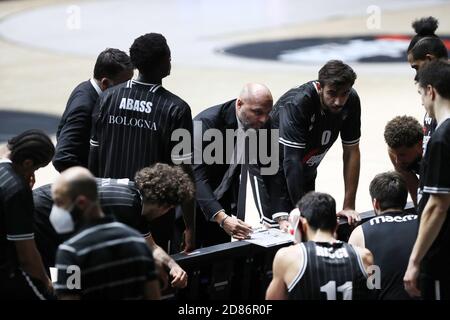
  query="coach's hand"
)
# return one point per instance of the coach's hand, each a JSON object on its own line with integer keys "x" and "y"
{"x": 410, "y": 279}
{"x": 284, "y": 225}
{"x": 237, "y": 228}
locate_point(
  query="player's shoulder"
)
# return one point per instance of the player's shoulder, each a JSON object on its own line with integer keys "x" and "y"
{"x": 353, "y": 99}
{"x": 357, "y": 235}
{"x": 297, "y": 96}
{"x": 174, "y": 99}
{"x": 113, "y": 91}
{"x": 289, "y": 254}
{"x": 442, "y": 132}
{"x": 365, "y": 254}
{"x": 44, "y": 191}
{"x": 439, "y": 142}
{"x": 11, "y": 183}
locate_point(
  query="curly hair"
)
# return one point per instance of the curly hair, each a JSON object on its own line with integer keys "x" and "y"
{"x": 162, "y": 184}
{"x": 403, "y": 131}
{"x": 424, "y": 27}
{"x": 148, "y": 51}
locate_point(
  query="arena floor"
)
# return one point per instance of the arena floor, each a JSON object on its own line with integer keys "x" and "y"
{"x": 49, "y": 46}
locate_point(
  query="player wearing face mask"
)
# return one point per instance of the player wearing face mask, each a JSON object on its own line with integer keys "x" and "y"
{"x": 113, "y": 261}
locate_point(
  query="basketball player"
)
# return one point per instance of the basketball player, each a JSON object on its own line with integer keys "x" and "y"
{"x": 426, "y": 46}
{"x": 321, "y": 268}
{"x": 310, "y": 118}
{"x": 430, "y": 255}
{"x": 134, "y": 125}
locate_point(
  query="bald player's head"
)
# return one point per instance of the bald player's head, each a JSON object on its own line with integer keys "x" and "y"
{"x": 254, "y": 105}
{"x": 74, "y": 185}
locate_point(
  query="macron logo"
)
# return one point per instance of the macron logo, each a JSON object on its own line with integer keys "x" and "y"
{"x": 388, "y": 219}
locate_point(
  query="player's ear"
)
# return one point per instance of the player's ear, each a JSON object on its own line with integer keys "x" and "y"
{"x": 303, "y": 226}
{"x": 429, "y": 57}
{"x": 433, "y": 93}
{"x": 376, "y": 205}
{"x": 105, "y": 83}
{"x": 319, "y": 86}
{"x": 28, "y": 164}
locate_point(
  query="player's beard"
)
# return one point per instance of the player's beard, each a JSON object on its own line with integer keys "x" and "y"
{"x": 326, "y": 107}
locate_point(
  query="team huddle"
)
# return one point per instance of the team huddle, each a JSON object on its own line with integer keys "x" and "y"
{"x": 128, "y": 195}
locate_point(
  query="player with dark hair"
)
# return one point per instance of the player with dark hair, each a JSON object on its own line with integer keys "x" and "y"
{"x": 390, "y": 235}
{"x": 430, "y": 256}
{"x": 426, "y": 46}
{"x": 404, "y": 136}
{"x": 163, "y": 186}
{"x": 322, "y": 268}
{"x": 310, "y": 119}
{"x": 134, "y": 125}
{"x": 22, "y": 274}
{"x": 72, "y": 148}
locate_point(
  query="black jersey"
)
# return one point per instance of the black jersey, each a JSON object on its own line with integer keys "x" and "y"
{"x": 114, "y": 260}
{"x": 330, "y": 271}
{"x": 305, "y": 125}
{"x": 390, "y": 237}
{"x": 429, "y": 125}
{"x": 118, "y": 197}
{"x": 16, "y": 214}
{"x": 435, "y": 179}
{"x": 134, "y": 129}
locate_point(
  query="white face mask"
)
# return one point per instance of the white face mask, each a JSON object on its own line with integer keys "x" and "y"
{"x": 294, "y": 219}
{"x": 61, "y": 220}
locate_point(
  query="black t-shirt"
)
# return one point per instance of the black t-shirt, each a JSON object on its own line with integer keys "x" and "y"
{"x": 16, "y": 214}
{"x": 118, "y": 197}
{"x": 435, "y": 179}
{"x": 305, "y": 125}
{"x": 429, "y": 125}
{"x": 114, "y": 262}
{"x": 134, "y": 127}
{"x": 329, "y": 272}
{"x": 390, "y": 237}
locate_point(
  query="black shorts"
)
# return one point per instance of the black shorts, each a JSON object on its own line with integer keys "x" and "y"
{"x": 433, "y": 289}
{"x": 18, "y": 285}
